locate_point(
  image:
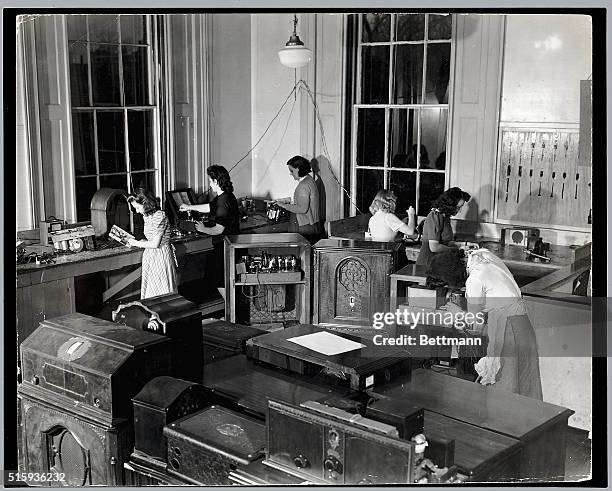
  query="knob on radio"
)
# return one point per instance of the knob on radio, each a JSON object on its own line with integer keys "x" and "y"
{"x": 301, "y": 462}
{"x": 332, "y": 464}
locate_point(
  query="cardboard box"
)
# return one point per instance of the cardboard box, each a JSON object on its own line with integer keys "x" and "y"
{"x": 428, "y": 298}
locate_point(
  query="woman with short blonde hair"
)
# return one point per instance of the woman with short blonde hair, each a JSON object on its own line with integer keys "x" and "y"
{"x": 384, "y": 225}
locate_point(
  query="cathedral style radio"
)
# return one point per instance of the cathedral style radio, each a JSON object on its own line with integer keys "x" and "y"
{"x": 109, "y": 207}
{"x": 173, "y": 316}
{"x": 351, "y": 281}
{"x": 79, "y": 375}
{"x": 160, "y": 402}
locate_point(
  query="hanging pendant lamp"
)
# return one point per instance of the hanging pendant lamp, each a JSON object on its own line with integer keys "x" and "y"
{"x": 294, "y": 54}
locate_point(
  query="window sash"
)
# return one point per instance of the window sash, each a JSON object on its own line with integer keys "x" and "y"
{"x": 153, "y": 108}
{"x": 387, "y": 168}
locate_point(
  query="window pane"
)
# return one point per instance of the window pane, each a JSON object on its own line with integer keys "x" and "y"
{"x": 438, "y": 73}
{"x": 371, "y": 137}
{"x": 133, "y": 29}
{"x": 402, "y": 138}
{"x": 369, "y": 182}
{"x": 110, "y": 141}
{"x": 86, "y": 187}
{"x": 83, "y": 143}
{"x": 79, "y": 82}
{"x": 103, "y": 28}
{"x": 376, "y": 28}
{"x": 118, "y": 181}
{"x": 408, "y": 74}
{"x": 145, "y": 180}
{"x": 140, "y": 139}
{"x": 135, "y": 75}
{"x": 375, "y": 75}
{"x": 410, "y": 27}
{"x": 430, "y": 187}
{"x": 403, "y": 184}
{"x": 77, "y": 27}
{"x": 433, "y": 138}
{"x": 105, "y": 75}
{"x": 440, "y": 26}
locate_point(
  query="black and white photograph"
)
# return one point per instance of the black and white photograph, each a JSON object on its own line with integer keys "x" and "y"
{"x": 297, "y": 246}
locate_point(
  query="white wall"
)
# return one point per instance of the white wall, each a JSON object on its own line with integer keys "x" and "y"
{"x": 231, "y": 97}
{"x": 545, "y": 58}
{"x": 271, "y": 84}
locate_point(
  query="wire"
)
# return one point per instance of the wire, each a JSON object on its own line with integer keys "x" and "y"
{"x": 324, "y": 144}
{"x": 299, "y": 85}
{"x": 266, "y": 130}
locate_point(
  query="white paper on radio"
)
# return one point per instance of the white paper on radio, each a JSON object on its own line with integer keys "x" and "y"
{"x": 326, "y": 343}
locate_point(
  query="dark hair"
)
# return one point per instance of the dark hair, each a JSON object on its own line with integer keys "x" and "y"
{"x": 301, "y": 164}
{"x": 447, "y": 269}
{"x": 384, "y": 201}
{"x": 146, "y": 199}
{"x": 220, "y": 174}
{"x": 447, "y": 201}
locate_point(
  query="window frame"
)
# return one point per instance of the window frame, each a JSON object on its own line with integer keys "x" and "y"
{"x": 357, "y": 105}
{"x": 154, "y": 108}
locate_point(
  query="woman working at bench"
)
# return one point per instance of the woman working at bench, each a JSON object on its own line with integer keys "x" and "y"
{"x": 384, "y": 225}
{"x": 512, "y": 361}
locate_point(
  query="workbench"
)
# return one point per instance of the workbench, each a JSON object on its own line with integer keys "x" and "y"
{"x": 48, "y": 290}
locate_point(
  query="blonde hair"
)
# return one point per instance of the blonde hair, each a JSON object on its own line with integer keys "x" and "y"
{"x": 384, "y": 200}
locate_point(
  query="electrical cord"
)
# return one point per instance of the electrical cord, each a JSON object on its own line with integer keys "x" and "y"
{"x": 266, "y": 130}
{"x": 302, "y": 85}
{"x": 324, "y": 144}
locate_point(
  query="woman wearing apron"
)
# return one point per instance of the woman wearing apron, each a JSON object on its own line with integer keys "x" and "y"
{"x": 512, "y": 361}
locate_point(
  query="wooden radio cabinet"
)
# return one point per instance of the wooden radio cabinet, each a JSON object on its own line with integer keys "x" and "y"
{"x": 351, "y": 281}
{"x": 267, "y": 295}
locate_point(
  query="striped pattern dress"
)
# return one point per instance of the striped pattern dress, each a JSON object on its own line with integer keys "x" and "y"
{"x": 158, "y": 268}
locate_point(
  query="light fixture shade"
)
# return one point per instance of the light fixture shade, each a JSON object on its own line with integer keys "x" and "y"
{"x": 294, "y": 56}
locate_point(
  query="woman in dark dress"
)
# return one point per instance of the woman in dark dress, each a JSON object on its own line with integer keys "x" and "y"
{"x": 437, "y": 232}
{"x": 224, "y": 213}
{"x": 223, "y": 209}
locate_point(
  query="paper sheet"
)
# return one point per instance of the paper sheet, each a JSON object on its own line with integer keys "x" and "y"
{"x": 326, "y": 343}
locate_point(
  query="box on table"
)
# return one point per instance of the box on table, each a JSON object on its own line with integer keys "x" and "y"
{"x": 430, "y": 298}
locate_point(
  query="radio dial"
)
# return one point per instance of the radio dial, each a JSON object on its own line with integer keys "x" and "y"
{"x": 301, "y": 462}
{"x": 35, "y": 380}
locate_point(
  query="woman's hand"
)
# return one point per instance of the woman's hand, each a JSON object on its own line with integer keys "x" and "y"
{"x": 469, "y": 246}
{"x": 132, "y": 243}
{"x": 452, "y": 308}
{"x": 185, "y": 207}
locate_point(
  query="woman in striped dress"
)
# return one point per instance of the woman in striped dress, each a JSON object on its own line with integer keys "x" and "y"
{"x": 158, "y": 260}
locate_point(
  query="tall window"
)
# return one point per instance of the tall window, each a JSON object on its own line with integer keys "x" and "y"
{"x": 113, "y": 105}
{"x": 400, "y": 121}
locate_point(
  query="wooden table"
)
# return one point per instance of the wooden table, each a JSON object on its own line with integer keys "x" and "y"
{"x": 540, "y": 426}
{"x": 366, "y": 367}
{"x": 48, "y": 290}
{"x": 242, "y": 382}
{"x": 483, "y": 455}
